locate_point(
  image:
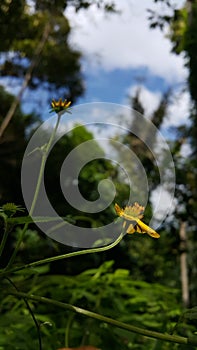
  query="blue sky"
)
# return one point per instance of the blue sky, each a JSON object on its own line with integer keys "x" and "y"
{"x": 113, "y": 85}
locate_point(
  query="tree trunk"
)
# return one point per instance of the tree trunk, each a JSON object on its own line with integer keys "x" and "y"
{"x": 183, "y": 264}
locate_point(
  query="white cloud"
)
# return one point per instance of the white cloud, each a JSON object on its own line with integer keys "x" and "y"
{"x": 149, "y": 99}
{"x": 186, "y": 150}
{"x": 125, "y": 41}
{"x": 179, "y": 109}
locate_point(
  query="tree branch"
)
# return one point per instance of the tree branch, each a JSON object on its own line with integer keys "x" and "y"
{"x": 111, "y": 321}
{"x": 34, "y": 63}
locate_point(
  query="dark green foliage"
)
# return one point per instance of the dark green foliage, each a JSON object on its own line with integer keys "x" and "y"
{"x": 103, "y": 290}
{"x": 89, "y": 177}
{"x": 59, "y": 5}
{"x": 190, "y": 48}
{"x": 11, "y": 17}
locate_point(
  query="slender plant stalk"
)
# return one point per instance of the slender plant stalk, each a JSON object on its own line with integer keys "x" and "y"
{"x": 4, "y": 239}
{"x": 41, "y": 172}
{"x": 5, "y": 236}
{"x": 31, "y": 313}
{"x": 101, "y": 318}
{"x": 64, "y": 256}
{"x": 40, "y": 176}
{"x": 69, "y": 322}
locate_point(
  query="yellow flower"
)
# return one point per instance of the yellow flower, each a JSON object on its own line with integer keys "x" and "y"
{"x": 134, "y": 214}
{"x": 59, "y": 106}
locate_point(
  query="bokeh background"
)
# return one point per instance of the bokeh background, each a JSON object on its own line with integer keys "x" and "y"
{"x": 140, "y": 54}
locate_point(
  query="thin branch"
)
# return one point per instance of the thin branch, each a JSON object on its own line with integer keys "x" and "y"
{"x": 111, "y": 321}
{"x": 28, "y": 75}
{"x": 31, "y": 313}
{"x": 64, "y": 256}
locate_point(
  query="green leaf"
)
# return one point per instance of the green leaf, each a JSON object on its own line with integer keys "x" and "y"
{"x": 191, "y": 314}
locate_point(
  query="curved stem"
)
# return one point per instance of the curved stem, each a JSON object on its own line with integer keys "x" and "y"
{"x": 101, "y": 318}
{"x": 40, "y": 176}
{"x": 64, "y": 256}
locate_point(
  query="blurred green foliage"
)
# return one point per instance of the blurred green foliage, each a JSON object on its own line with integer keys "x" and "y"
{"x": 113, "y": 293}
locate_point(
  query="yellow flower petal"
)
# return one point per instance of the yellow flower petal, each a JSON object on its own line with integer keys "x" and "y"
{"x": 137, "y": 225}
{"x": 118, "y": 210}
{"x": 58, "y": 106}
{"x": 141, "y": 227}
{"x": 68, "y": 104}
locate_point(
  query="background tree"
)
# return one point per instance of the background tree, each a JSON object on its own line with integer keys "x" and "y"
{"x": 138, "y": 255}
{"x": 182, "y": 25}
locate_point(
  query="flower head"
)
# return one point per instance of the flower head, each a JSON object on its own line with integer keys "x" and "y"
{"x": 10, "y": 209}
{"x": 133, "y": 214}
{"x": 59, "y": 106}
{"x": 134, "y": 211}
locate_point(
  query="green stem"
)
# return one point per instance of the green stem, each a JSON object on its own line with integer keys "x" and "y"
{"x": 5, "y": 236}
{"x": 31, "y": 313}
{"x": 41, "y": 172}
{"x": 64, "y": 256}
{"x": 122, "y": 325}
{"x": 39, "y": 181}
{"x": 69, "y": 322}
